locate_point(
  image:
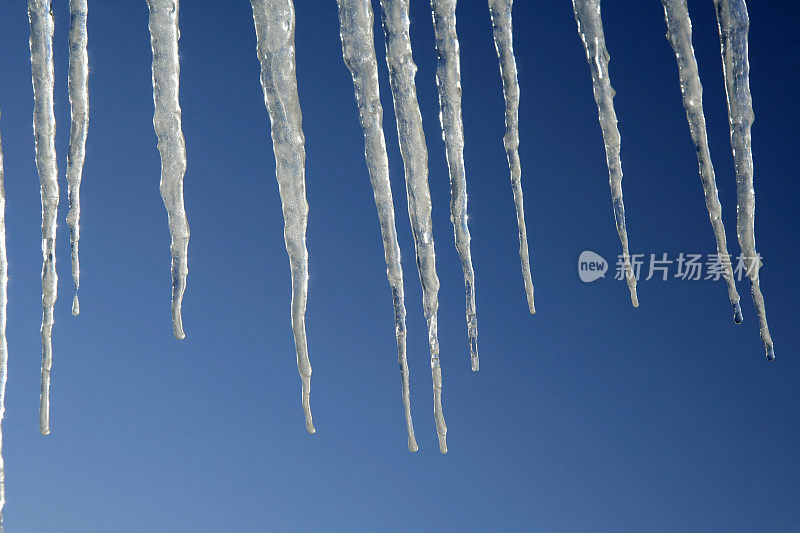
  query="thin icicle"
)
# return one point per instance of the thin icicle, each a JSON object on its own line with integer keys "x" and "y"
{"x": 448, "y": 80}
{"x": 358, "y": 49}
{"x": 79, "y": 106}
{"x": 590, "y": 27}
{"x": 44, "y": 132}
{"x": 415, "y": 159}
{"x": 274, "y": 22}
{"x": 3, "y": 346}
{"x": 500, "y": 11}
{"x": 679, "y": 33}
{"x": 164, "y": 35}
{"x": 734, "y": 25}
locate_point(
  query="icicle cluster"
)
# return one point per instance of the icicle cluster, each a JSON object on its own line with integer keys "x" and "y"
{"x": 500, "y": 11}
{"x": 414, "y": 151}
{"x": 590, "y": 27}
{"x": 734, "y": 25}
{"x": 44, "y": 131}
{"x": 448, "y": 81}
{"x": 274, "y": 22}
{"x": 79, "y": 106}
{"x": 358, "y": 50}
{"x": 164, "y": 35}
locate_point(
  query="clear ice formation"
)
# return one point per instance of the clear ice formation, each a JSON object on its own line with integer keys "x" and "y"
{"x": 590, "y": 27}
{"x": 679, "y": 34}
{"x": 274, "y": 23}
{"x": 44, "y": 132}
{"x": 734, "y": 25}
{"x": 79, "y": 106}
{"x": 356, "y": 21}
{"x": 164, "y": 35}
{"x": 448, "y": 81}
{"x": 500, "y": 11}
{"x": 402, "y": 71}
{"x": 3, "y": 345}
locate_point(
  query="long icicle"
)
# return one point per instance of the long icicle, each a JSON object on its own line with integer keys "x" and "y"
{"x": 500, "y": 11}
{"x": 356, "y": 21}
{"x": 448, "y": 80}
{"x": 3, "y": 345}
{"x": 679, "y": 34}
{"x": 274, "y": 22}
{"x": 415, "y": 159}
{"x": 79, "y": 107}
{"x": 734, "y": 25}
{"x": 44, "y": 132}
{"x": 590, "y": 27}
{"x": 164, "y": 35}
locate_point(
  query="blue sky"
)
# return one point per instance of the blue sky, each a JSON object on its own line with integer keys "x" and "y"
{"x": 589, "y": 416}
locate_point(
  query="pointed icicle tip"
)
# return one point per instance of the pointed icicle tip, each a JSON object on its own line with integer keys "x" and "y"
{"x": 770, "y": 353}
{"x": 737, "y": 313}
{"x": 76, "y": 306}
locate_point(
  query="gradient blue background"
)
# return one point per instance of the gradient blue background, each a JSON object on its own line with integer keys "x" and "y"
{"x": 589, "y": 416}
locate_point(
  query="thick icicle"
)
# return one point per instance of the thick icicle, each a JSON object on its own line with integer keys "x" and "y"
{"x": 3, "y": 346}
{"x": 44, "y": 132}
{"x": 448, "y": 80}
{"x": 679, "y": 33}
{"x": 590, "y": 27}
{"x": 734, "y": 25}
{"x": 500, "y": 11}
{"x": 79, "y": 104}
{"x": 164, "y": 35}
{"x": 274, "y": 22}
{"x": 415, "y": 159}
{"x": 358, "y": 49}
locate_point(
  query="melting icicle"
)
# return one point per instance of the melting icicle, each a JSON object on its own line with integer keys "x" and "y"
{"x": 44, "y": 130}
{"x": 3, "y": 346}
{"x": 274, "y": 22}
{"x": 590, "y": 27}
{"x": 679, "y": 33}
{"x": 500, "y": 11}
{"x": 734, "y": 25}
{"x": 164, "y": 35}
{"x": 415, "y": 159}
{"x": 448, "y": 80}
{"x": 358, "y": 49}
{"x": 79, "y": 104}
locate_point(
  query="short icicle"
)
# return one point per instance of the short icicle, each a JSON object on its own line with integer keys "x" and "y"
{"x": 79, "y": 106}
{"x": 500, "y": 11}
{"x": 679, "y": 34}
{"x": 734, "y": 25}
{"x": 164, "y": 35}
{"x": 3, "y": 345}
{"x": 415, "y": 159}
{"x": 44, "y": 132}
{"x": 358, "y": 49}
{"x": 590, "y": 27}
{"x": 274, "y": 22}
{"x": 448, "y": 80}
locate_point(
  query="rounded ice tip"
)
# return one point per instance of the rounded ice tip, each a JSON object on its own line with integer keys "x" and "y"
{"x": 634, "y": 297}
{"x": 310, "y": 428}
{"x": 770, "y": 353}
{"x": 737, "y": 313}
{"x": 412, "y": 445}
{"x": 76, "y": 306}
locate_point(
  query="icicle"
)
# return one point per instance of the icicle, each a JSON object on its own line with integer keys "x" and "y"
{"x": 679, "y": 33}
{"x": 500, "y": 11}
{"x": 590, "y": 27}
{"x": 3, "y": 346}
{"x": 734, "y": 25}
{"x": 44, "y": 130}
{"x": 415, "y": 159}
{"x": 358, "y": 49}
{"x": 164, "y": 35}
{"x": 448, "y": 80}
{"x": 274, "y": 22}
{"x": 79, "y": 104}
